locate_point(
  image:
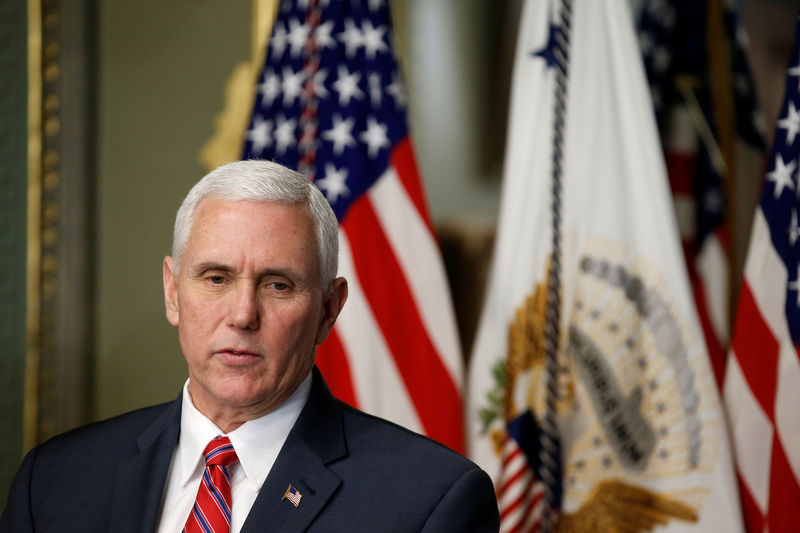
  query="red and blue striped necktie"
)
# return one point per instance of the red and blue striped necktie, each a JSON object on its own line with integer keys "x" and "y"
{"x": 212, "y": 508}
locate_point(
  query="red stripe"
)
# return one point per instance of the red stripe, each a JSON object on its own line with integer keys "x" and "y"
{"x": 753, "y": 519}
{"x": 757, "y": 351}
{"x": 680, "y": 167}
{"x": 335, "y": 366}
{"x": 511, "y": 507}
{"x": 405, "y": 164}
{"x": 510, "y": 481}
{"x": 435, "y": 396}
{"x": 509, "y": 457}
{"x": 784, "y": 492}
{"x": 537, "y": 497}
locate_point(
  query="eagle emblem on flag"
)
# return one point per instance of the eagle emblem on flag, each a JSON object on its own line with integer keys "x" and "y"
{"x": 639, "y": 434}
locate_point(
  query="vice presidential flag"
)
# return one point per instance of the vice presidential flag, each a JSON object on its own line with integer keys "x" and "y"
{"x": 762, "y": 382}
{"x": 637, "y": 436}
{"x": 330, "y": 103}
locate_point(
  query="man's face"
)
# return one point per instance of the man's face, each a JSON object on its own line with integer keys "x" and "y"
{"x": 249, "y": 306}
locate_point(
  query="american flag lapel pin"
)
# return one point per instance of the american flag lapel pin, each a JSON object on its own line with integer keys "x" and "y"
{"x": 293, "y": 495}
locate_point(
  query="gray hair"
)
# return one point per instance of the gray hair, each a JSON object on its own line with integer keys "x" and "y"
{"x": 262, "y": 181}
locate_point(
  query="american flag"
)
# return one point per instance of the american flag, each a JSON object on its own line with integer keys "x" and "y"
{"x": 762, "y": 383}
{"x": 293, "y": 495}
{"x": 675, "y": 38}
{"x": 519, "y": 491}
{"x": 331, "y": 104}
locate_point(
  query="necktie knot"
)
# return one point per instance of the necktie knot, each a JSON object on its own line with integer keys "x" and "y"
{"x": 220, "y": 452}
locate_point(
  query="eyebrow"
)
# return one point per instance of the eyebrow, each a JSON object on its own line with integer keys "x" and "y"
{"x": 212, "y": 265}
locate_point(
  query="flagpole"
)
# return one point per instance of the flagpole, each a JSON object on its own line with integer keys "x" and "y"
{"x": 550, "y": 453}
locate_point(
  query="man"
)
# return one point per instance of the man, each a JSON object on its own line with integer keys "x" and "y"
{"x": 256, "y": 441}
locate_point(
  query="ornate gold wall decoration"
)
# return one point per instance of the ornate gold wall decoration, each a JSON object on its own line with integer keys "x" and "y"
{"x": 226, "y": 143}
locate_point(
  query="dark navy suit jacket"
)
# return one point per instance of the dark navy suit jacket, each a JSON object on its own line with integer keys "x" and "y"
{"x": 355, "y": 472}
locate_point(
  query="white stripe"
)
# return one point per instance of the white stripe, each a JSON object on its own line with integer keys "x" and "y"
{"x": 681, "y": 131}
{"x": 536, "y": 513}
{"x": 751, "y": 431}
{"x": 378, "y": 386}
{"x": 766, "y": 275}
{"x": 712, "y": 265}
{"x": 786, "y": 404}
{"x": 685, "y": 212}
{"x": 419, "y": 257}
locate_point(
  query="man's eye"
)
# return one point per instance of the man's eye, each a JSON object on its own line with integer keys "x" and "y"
{"x": 278, "y": 286}
{"x": 216, "y": 280}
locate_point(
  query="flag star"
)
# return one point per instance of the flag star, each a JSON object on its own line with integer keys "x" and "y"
{"x": 759, "y": 122}
{"x": 318, "y": 83}
{"x": 259, "y": 134}
{"x": 269, "y": 88}
{"x": 298, "y": 35}
{"x": 548, "y": 51}
{"x": 333, "y": 184}
{"x": 374, "y": 137}
{"x": 303, "y": 4}
{"x": 661, "y": 59}
{"x": 279, "y": 41}
{"x": 741, "y": 36}
{"x": 794, "y": 231}
{"x": 395, "y": 89}
{"x": 791, "y": 123}
{"x": 373, "y": 39}
{"x": 284, "y": 134}
{"x": 351, "y": 37}
{"x": 782, "y": 175}
{"x": 347, "y": 86}
{"x": 645, "y": 42}
{"x": 375, "y": 5}
{"x": 712, "y": 201}
{"x": 795, "y": 286}
{"x": 375, "y": 89}
{"x": 341, "y": 134}
{"x": 323, "y": 35}
{"x": 292, "y": 84}
{"x": 795, "y": 71}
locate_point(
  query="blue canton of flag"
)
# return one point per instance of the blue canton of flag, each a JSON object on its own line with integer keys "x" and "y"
{"x": 329, "y": 101}
{"x": 780, "y": 202}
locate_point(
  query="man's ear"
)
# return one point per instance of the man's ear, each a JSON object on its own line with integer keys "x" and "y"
{"x": 171, "y": 291}
{"x": 331, "y": 308}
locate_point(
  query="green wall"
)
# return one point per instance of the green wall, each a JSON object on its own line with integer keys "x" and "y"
{"x": 161, "y": 73}
{"x": 13, "y": 201}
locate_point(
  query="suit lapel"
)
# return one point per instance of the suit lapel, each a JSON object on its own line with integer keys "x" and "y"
{"x": 139, "y": 481}
{"x": 316, "y": 440}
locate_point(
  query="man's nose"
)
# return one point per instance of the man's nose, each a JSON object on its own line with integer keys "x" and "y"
{"x": 244, "y": 312}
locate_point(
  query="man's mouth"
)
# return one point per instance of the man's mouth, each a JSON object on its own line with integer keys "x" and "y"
{"x": 237, "y": 356}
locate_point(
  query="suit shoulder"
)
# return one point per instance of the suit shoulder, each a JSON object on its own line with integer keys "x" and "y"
{"x": 119, "y": 432}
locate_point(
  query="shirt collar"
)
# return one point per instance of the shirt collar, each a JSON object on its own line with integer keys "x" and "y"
{"x": 257, "y": 442}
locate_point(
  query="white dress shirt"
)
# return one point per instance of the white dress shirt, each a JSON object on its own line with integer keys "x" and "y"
{"x": 257, "y": 444}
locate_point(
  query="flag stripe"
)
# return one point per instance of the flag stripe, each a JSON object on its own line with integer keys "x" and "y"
{"x": 391, "y": 302}
{"x": 746, "y": 417}
{"x": 753, "y": 517}
{"x": 334, "y": 365}
{"x": 757, "y": 350}
{"x": 784, "y": 492}
{"x": 405, "y": 164}
{"x": 363, "y": 341}
{"x": 416, "y": 251}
